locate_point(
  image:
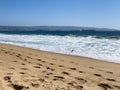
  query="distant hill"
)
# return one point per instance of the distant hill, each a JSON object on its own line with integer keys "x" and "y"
{"x": 52, "y": 28}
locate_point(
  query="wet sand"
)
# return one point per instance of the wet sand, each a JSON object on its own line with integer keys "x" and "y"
{"x": 28, "y": 69}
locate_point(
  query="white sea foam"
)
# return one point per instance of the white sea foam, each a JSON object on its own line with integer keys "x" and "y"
{"x": 103, "y": 49}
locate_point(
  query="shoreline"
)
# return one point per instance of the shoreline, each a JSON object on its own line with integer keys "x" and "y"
{"x": 32, "y": 69}
{"x": 101, "y": 60}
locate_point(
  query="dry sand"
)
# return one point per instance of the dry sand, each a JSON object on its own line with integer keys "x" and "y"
{"x": 28, "y": 69}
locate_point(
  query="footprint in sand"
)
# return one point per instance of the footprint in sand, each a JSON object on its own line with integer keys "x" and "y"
{"x": 81, "y": 80}
{"x": 48, "y": 68}
{"x": 105, "y": 86}
{"x": 73, "y": 68}
{"x": 51, "y": 64}
{"x": 98, "y": 75}
{"x": 74, "y": 63}
{"x": 18, "y": 55}
{"x": 81, "y": 72}
{"x": 39, "y": 59}
{"x": 36, "y": 85}
{"x": 6, "y": 52}
{"x": 19, "y": 87}
{"x": 43, "y": 61}
{"x": 29, "y": 62}
{"x": 36, "y": 66}
{"x": 111, "y": 80}
{"x": 79, "y": 87}
{"x": 109, "y": 72}
{"x": 22, "y": 64}
{"x": 9, "y": 73}
{"x": 21, "y": 72}
{"x": 65, "y": 73}
{"x": 24, "y": 68}
{"x": 25, "y": 59}
{"x": 49, "y": 73}
{"x": 39, "y": 64}
{"x": 58, "y": 78}
{"x": 12, "y": 68}
{"x": 60, "y": 66}
{"x": 14, "y": 61}
{"x": 12, "y": 53}
{"x": 7, "y": 78}
{"x": 91, "y": 67}
{"x": 42, "y": 80}
{"x": 71, "y": 83}
{"x": 116, "y": 86}
{"x": 75, "y": 85}
{"x": 29, "y": 57}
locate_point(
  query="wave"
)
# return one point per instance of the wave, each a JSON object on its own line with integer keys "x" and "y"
{"x": 89, "y": 46}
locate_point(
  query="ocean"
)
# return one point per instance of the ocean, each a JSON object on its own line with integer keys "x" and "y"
{"x": 102, "y": 45}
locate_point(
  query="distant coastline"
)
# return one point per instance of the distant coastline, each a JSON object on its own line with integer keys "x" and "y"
{"x": 53, "y": 28}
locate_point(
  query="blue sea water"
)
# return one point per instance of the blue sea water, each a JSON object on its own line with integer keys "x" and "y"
{"x": 102, "y": 45}
{"x": 63, "y": 33}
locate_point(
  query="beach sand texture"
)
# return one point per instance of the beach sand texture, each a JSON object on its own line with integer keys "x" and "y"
{"x": 28, "y": 69}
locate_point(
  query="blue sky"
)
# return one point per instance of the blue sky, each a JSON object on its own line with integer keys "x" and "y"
{"x": 90, "y": 13}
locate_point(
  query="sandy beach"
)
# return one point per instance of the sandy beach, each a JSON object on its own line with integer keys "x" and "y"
{"x": 28, "y": 69}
